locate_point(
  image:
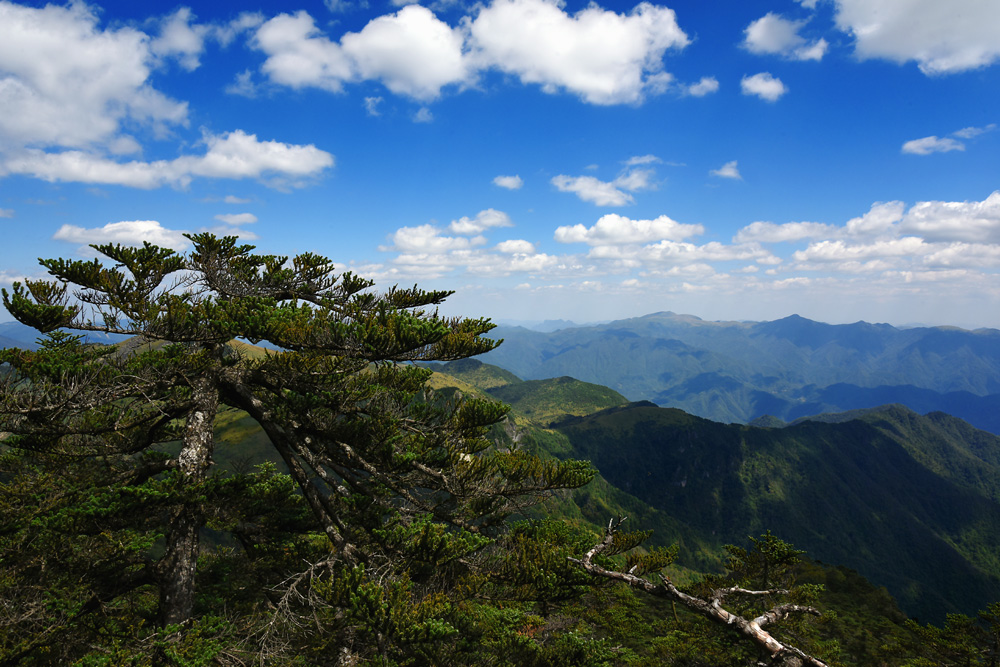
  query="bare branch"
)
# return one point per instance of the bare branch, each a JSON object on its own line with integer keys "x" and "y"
{"x": 780, "y": 653}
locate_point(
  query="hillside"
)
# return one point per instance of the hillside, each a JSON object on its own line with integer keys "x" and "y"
{"x": 789, "y": 368}
{"x": 921, "y": 518}
{"x": 911, "y": 502}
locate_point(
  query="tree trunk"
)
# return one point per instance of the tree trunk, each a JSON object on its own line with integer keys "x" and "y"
{"x": 178, "y": 567}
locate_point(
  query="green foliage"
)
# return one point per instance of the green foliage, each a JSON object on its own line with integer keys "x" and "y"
{"x": 848, "y": 493}
{"x": 404, "y": 486}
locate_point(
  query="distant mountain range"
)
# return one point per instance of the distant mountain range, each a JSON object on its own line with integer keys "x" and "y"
{"x": 15, "y": 334}
{"x": 788, "y": 368}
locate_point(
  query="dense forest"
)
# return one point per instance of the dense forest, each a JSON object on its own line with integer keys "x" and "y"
{"x": 187, "y": 497}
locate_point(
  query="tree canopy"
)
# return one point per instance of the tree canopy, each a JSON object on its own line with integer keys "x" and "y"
{"x": 401, "y": 482}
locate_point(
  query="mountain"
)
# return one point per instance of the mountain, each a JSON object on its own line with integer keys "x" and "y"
{"x": 541, "y": 401}
{"x": 788, "y": 368}
{"x": 911, "y": 502}
{"x": 15, "y": 334}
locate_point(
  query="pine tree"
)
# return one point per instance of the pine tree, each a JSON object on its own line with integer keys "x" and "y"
{"x": 400, "y": 482}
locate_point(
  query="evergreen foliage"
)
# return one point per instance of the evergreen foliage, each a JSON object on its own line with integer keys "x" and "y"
{"x": 405, "y": 488}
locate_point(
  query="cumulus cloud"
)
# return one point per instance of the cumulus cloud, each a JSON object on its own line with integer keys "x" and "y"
{"x": 299, "y": 55}
{"x": 6, "y": 213}
{"x": 764, "y": 86}
{"x": 707, "y": 86}
{"x": 180, "y": 39}
{"x": 604, "y": 193}
{"x": 681, "y": 253}
{"x": 509, "y": 182}
{"x": 232, "y": 199}
{"x": 942, "y": 37}
{"x": 484, "y": 220}
{"x": 880, "y": 219}
{"x": 428, "y": 239}
{"x": 769, "y": 232}
{"x": 602, "y": 56}
{"x": 516, "y": 247}
{"x": 234, "y": 155}
{"x": 955, "y": 221}
{"x": 728, "y": 170}
{"x": 774, "y": 34}
{"x": 932, "y": 144}
{"x": 613, "y": 229}
{"x": 128, "y": 232}
{"x": 423, "y": 115}
{"x": 65, "y": 81}
{"x": 412, "y": 52}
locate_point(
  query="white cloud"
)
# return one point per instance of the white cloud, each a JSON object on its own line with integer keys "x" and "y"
{"x": 180, "y": 39}
{"x": 728, "y": 170}
{"x": 233, "y": 155}
{"x": 932, "y": 144}
{"x": 613, "y": 229}
{"x": 589, "y": 188}
{"x": 516, "y": 247}
{"x": 371, "y": 106}
{"x": 768, "y": 232}
{"x": 236, "y": 218}
{"x": 942, "y": 37}
{"x": 879, "y": 220}
{"x": 973, "y": 132}
{"x": 603, "y": 193}
{"x": 484, "y": 220}
{"x": 604, "y": 57}
{"x": 423, "y": 115}
{"x": 232, "y": 199}
{"x": 637, "y": 160}
{"x": 509, "y": 182}
{"x": 707, "y": 85}
{"x": 838, "y": 251}
{"x": 955, "y": 221}
{"x": 680, "y": 253}
{"x": 6, "y": 213}
{"x": 66, "y": 82}
{"x": 244, "y": 85}
{"x": 298, "y": 55}
{"x": 412, "y": 52}
{"x": 773, "y": 34}
{"x": 428, "y": 239}
{"x": 129, "y": 232}
{"x": 244, "y": 22}
{"x": 764, "y": 86}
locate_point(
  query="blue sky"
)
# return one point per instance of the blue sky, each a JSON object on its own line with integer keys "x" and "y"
{"x": 839, "y": 159}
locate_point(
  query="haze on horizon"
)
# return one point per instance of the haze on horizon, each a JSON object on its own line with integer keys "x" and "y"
{"x": 837, "y": 159}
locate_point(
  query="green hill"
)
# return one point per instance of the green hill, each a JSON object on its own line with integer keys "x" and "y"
{"x": 548, "y": 401}
{"x": 920, "y": 518}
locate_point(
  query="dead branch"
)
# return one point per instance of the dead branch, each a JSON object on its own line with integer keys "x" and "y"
{"x": 781, "y": 655}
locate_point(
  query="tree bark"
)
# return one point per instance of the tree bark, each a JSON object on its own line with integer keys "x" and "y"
{"x": 178, "y": 567}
